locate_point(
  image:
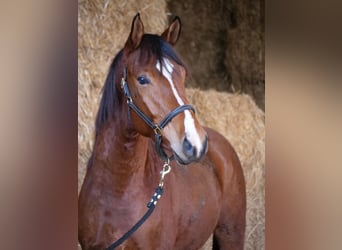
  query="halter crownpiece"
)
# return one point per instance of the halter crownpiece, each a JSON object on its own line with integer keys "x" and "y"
{"x": 157, "y": 128}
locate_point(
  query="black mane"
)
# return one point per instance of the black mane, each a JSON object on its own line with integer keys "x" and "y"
{"x": 110, "y": 98}
{"x": 111, "y": 101}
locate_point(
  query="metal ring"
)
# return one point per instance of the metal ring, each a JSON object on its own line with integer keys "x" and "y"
{"x": 157, "y": 130}
{"x": 123, "y": 82}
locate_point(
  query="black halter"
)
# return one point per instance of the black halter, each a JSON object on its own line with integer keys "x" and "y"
{"x": 157, "y": 128}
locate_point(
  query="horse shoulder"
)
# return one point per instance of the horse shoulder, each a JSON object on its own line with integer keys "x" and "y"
{"x": 230, "y": 228}
{"x": 225, "y": 161}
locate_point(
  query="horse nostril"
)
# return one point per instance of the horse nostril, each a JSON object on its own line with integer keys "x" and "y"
{"x": 188, "y": 149}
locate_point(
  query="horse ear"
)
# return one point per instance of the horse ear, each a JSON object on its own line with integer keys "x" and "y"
{"x": 137, "y": 32}
{"x": 172, "y": 33}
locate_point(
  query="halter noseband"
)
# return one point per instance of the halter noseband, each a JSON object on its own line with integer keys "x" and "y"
{"x": 157, "y": 128}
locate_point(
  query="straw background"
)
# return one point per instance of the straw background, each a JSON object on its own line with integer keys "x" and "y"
{"x": 222, "y": 59}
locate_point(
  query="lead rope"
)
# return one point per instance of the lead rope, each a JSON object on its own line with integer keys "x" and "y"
{"x": 151, "y": 205}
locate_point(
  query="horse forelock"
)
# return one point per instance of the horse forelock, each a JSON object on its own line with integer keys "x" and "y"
{"x": 155, "y": 47}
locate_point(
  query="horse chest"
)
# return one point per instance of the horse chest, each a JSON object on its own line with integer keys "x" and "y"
{"x": 184, "y": 217}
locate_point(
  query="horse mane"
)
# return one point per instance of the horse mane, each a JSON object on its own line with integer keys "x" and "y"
{"x": 110, "y": 98}
{"x": 151, "y": 46}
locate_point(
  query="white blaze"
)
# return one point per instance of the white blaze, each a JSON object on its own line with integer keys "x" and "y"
{"x": 189, "y": 123}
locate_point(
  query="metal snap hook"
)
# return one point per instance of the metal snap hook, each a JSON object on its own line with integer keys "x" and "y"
{"x": 165, "y": 171}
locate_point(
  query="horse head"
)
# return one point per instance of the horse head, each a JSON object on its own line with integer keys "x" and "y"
{"x": 155, "y": 78}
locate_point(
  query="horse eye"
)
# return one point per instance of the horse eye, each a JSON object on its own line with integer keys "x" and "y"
{"x": 143, "y": 80}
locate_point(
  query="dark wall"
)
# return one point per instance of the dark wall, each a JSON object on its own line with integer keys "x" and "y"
{"x": 222, "y": 42}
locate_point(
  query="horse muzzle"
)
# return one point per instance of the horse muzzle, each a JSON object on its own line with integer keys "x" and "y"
{"x": 190, "y": 152}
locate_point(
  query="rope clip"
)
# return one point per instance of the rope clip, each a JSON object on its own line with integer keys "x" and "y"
{"x": 165, "y": 171}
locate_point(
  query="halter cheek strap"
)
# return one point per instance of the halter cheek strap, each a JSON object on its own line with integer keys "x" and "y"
{"x": 157, "y": 128}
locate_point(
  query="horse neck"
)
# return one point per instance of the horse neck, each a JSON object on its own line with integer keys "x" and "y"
{"x": 120, "y": 154}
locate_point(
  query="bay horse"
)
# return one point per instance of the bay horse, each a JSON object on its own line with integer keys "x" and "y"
{"x": 144, "y": 124}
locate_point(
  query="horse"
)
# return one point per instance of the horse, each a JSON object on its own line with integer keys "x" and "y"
{"x": 147, "y": 135}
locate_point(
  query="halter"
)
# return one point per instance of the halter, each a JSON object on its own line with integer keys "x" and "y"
{"x": 157, "y": 128}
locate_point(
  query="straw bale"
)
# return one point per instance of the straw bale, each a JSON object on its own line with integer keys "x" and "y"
{"x": 103, "y": 28}
{"x": 223, "y": 41}
{"x": 244, "y": 53}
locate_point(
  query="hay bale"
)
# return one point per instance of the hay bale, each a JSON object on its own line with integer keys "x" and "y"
{"x": 245, "y": 52}
{"x": 223, "y": 41}
{"x": 103, "y": 29}
{"x": 203, "y": 39}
